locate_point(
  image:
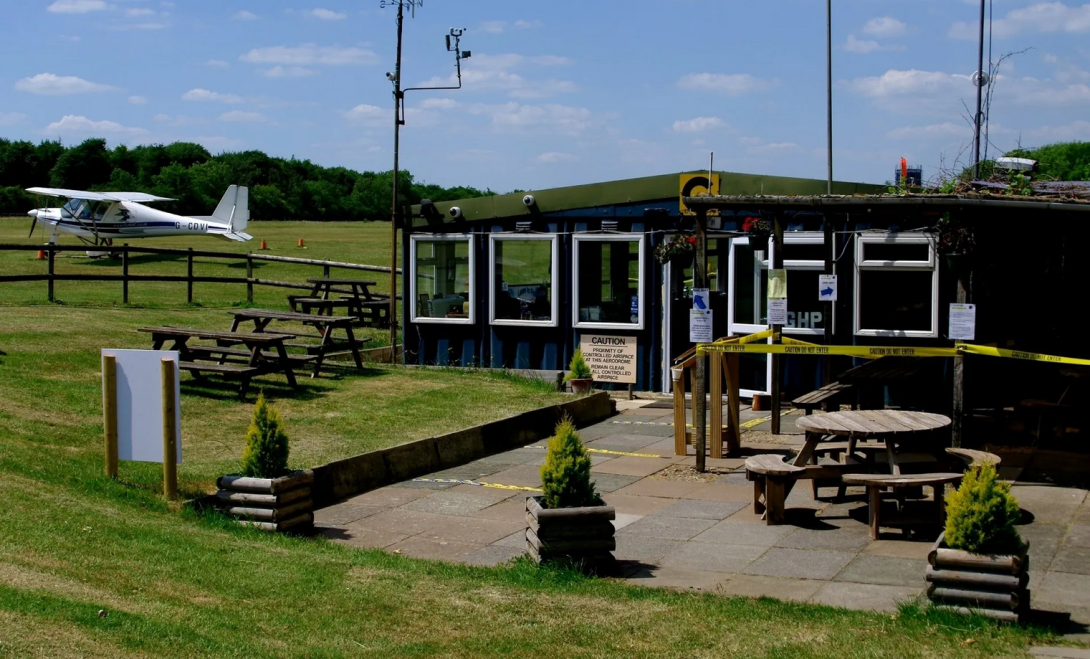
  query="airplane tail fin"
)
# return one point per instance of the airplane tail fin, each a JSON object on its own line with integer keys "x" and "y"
{"x": 234, "y": 208}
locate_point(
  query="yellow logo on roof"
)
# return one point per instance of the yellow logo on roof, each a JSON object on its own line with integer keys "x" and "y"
{"x": 697, "y": 185}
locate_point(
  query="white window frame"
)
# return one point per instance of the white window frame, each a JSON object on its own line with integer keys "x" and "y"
{"x": 554, "y": 284}
{"x": 641, "y": 290}
{"x": 862, "y": 266}
{"x": 447, "y": 237}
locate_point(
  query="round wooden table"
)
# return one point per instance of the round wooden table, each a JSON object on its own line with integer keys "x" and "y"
{"x": 892, "y": 426}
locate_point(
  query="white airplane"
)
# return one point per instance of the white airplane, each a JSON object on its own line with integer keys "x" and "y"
{"x": 100, "y": 217}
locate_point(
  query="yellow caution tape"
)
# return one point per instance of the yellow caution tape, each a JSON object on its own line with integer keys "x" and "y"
{"x": 477, "y": 484}
{"x": 970, "y": 349}
{"x": 788, "y": 341}
{"x": 608, "y": 452}
{"x": 750, "y": 338}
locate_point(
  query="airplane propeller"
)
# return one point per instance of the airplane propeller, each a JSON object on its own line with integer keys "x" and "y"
{"x": 33, "y": 223}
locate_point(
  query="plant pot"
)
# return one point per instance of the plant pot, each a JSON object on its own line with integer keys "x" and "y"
{"x": 996, "y": 586}
{"x": 583, "y": 536}
{"x": 761, "y": 403}
{"x": 272, "y": 504}
{"x": 581, "y": 385}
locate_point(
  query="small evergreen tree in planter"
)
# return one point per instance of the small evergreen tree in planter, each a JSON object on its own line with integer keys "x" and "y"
{"x": 569, "y": 521}
{"x": 266, "y": 494}
{"x": 979, "y": 562}
{"x": 579, "y": 374}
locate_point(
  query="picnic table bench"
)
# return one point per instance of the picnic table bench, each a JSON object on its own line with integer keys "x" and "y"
{"x": 370, "y": 309}
{"x": 875, "y": 483}
{"x": 328, "y": 345}
{"x": 823, "y": 397}
{"x": 264, "y": 351}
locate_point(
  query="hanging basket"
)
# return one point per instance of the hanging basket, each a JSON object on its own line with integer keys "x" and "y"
{"x": 679, "y": 248}
{"x": 758, "y": 230}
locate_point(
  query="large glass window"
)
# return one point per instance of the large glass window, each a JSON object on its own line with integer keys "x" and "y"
{"x": 804, "y": 262}
{"x": 442, "y": 279}
{"x": 523, "y": 285}
{"x": 608, "y": 281}
{"x": 896, "y": 285}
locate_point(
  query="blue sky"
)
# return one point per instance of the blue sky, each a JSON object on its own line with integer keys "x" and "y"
{"x": 557, "y": 92}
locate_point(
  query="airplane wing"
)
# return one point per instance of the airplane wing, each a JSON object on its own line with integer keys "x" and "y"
{"x": 138, "y": 197}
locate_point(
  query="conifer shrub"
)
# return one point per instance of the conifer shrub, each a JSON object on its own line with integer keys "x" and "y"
{"x": 981, "y": 513}
{"x": 565, "y": 476}
{"x": 578, "y": 368}
{"x": 266, "y": 452}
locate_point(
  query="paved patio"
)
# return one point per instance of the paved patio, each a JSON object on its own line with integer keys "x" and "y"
{"x": 676, "y": 531}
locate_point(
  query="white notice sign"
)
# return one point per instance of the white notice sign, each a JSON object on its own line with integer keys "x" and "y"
{"x": 700, "y": 326}
{"x": 140, "y": 404}
{"x": 777, "y": 312}
{"x": 611, "y": 358}
{"x": 962, "y": 322}
{"x": 827, "y": 288}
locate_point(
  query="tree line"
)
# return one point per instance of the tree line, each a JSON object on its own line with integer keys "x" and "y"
{"x": 280, "y": 189}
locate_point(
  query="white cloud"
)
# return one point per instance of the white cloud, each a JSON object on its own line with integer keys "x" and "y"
{"x": 1043, "y": 17}
{"x": 774, "y": 148}
{"x": 138, "y": 100}
{"x": 735, "y": 84}
{"x": 11, "y": 118}
{"x": 1074, "y": 131}
{"x": 563, "y": 119}
{"x": 327, "y": 14}
{"x": 492, "y": 73}
{"x": 125, "y": 27}
{"x": 853, "y": 45}
{"x": 944, "y": 130}
{"x": 203, "y": 95}
{"x": 71, "y": 123}
{"x": 216, "y": 64}
{"x": 895, "y": 82}
{"x": 367, "y": 115}
{"x": 493, "y": 27}
{"x": 179, "y": 120}
{"x": 438, "y": 103}
{"x": 248, "y": 117}
{"x": 310, "y": 54}
{"x": 884, "y": 27}
{"x": 76, "y": 6}
{"x": 525, "y": 25}
{"x": 557, "y": 156}
{"x": 697, "y": 124}
{"x": 48, "y": 84}
{"x": 287, "y": 72}
{"x": 244, "y": 15}
{"x": 139, "y": 11}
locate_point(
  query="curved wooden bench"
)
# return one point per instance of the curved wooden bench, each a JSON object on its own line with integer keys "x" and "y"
{"x": 771, "y": 477}
{"x": 875, "y": 483}
{"x": 974, "y": 458}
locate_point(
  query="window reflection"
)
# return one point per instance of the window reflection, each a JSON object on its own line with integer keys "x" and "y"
{"x": 442, "y": 279}
{"x": 523, "y": 285}
{"x": 609, "y": 281}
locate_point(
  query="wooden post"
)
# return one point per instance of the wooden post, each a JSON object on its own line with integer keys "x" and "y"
{"x": 125, "y": 273}
{"x": 325, "y": 270}
{"x": 827, "y": 307}
{"x": 700, "y": 280}
{"x": 777, "y": 330}
{"x": 189, "y": 276}
{"x": 715, "y": 399}
{"x": 957, "y": 429}
{"x": 170, "y": 439}
{"x": 680, "y": 439}
{"x": 250, "y": 277}
{"x": 109, "y": 412}
{"x": 734, "y": 426}
{"x": 51, "y": 270}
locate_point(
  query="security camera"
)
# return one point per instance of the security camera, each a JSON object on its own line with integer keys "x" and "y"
{"x": 389, "y": 76}
{"x": 455, "y": 212}
{"x": 529, "y": 201}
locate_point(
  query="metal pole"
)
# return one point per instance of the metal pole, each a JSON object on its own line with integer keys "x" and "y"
{"x": 777, "y": 330}
{"x": 700, "y": 385}
{"x": 979, "y": 95}
{"x": 394, "y": 211}
{"x": 829, "y": 86}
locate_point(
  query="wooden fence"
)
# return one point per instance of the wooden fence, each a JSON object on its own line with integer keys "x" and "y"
{"x": 51, "y": 276}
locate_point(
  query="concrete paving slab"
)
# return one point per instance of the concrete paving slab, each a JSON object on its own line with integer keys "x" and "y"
{"x": 792, "y": 590}
{"x": 363, "y": 537}
{"x": 1063, "y": 589}
{"x": 635, "y": 505}
{"x": 729, "y": 532}
{"x": 606, "y": 483}
{"x": 899, "y": 549}
{"x": 473, "y": 471}
{"x": 401, "y": 521}
{"x": 631, "y": 466}
{"x": 698, "y": 509}
{"x": 647, "y": 430}
{"x": 800, "y": 563}
{"x": 643, "y": 549}
{"x": 523, "y": 475}
{"x": 713, "y": 463}
{"x": 1062, "y": 653}
{"x": 436, "y": 550}
{"x": 721, "y": 492}
{"x": 508, "y": 458}
{"x": 516, "y": 540}
{"x": 513, "y": 510}
{"x": 651, "y": 487}
{"x": 622, "y": 442}
{"x": 737, "y": 478}
{"x": 493, "y": 555}
{"x": 841, "y": 536}
{"x": 747, "y": 516}
{"x": 470, "y": 530}
{"x": 1049, "y": 505}
{"x": 1044, "y": 542}
{"x": 344, "y": 514}
{"x": 387, "y": 497}
{"x": 712, "y": 557}
{"x": 423, "y": 485}
{"x": 1070, "y": 559}
{"x": 885, "y": 571}
{"x": 667, "y": 528}
{"x": 623, "y": 520}
{"x": 675, "y": 578}
{"x": 865, "y": 597}
{"x": 495, "y": 494}
{"x": 451, "y": 503}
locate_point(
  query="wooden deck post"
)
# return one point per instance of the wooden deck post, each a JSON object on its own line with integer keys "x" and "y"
{"x": 715, "y": 391}
{"x": 734, "y": 425}
{"x": 250, "y": 277}
{"x": 170, "y": 439}
{"x": 680, "y": 432}
{"x": 777, "y": 360}
{"x": 189, "y": 276}
{"x": 125, "y": 273}
{"x": 109, "y": 412}
{"x": 51, "y": 270}
{"x": 700, "y": 280}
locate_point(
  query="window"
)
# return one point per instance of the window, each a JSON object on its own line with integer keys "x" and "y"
{"x": 523, "y": 283}
{"x": 608, "y": 281}
{"x": 804, "y": 261}
{"x": 443, "y": 290}
{"x": 896, "y": 286}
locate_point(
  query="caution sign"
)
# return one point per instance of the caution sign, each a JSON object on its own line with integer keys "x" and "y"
{"x": 697, "y": 185}
{"x": 611, "y": 358}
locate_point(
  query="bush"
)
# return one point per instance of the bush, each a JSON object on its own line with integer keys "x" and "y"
{"x": 565, "y": 476}
{"x": 981, "y": 514}
{"x": 266, "y": 452}
{"x": 577, "y": 368}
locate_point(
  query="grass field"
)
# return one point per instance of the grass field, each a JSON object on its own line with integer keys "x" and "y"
{"x": 91, "y": 567}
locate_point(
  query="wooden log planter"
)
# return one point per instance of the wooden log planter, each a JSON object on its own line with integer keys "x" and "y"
{"x": 994, "y": 586}
{"x": 583, "y": 536}
{"x": 272, "y": 504}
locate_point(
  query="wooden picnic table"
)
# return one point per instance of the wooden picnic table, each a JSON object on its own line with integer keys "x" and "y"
{"x": 328, "y": 346}
{"x": 371, "y": 309}
{"x": 264, "y": 353}
{"x": 894, "y": 427}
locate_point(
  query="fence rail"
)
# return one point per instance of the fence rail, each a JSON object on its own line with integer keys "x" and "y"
{"x": 51, "y": 276}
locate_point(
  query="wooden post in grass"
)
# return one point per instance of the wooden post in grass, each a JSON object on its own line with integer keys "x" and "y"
{"x": 170, "y": 439}
{"x": 109, "y": 412}
{"x": 250, "y": 277}
{"x": 51, "y": 270}
{"x": 189, "y": 276}
{"x": 125, "y": 273}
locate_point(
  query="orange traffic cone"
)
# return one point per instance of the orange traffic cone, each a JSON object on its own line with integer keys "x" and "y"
{"x": 301, "y": 243}
{"x": 41, "y": 254}
{"x": 263, "y": 245}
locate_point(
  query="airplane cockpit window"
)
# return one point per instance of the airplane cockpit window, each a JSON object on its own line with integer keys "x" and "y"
{"x": 72, "y": 208}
